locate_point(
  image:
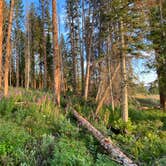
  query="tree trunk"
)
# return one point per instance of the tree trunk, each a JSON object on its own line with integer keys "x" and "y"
{"x": 161, "y": 82}
{"x": 162, "y": 75}
{"x": 105, "y": 142}
{"x": 162, "y": 101}
{"x": 27, "y": 53}
{"x": 17, "y": 70}
{"x": 8, "y": 47}
{"x": 18, "y": 62}
{"x": 124, "y": 93}
{"x": 74, "y": 79}
{"x": 82, "y": 49}
{"x": 63, "y": 89}
{"x": 87, "y": 73}
{"x": 89, "y": 52}
{"x": 99, "y": 90}
{"x": 44, "y": 47}
{"x": 1, "y": 40}
{"x": 109, "y": 69}
{"x": 57, "y": 69}
{"x": 100, "y": 104}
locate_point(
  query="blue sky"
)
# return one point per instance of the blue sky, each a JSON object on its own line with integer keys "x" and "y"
{"x": 60, "y": 8}
{"x": 144, "y": 74}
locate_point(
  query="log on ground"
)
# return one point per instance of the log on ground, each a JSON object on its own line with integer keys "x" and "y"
{"x": 105, "y": 142}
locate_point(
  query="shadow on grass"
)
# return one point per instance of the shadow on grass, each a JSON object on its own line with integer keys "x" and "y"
{"x": 148, "y": 102}
{"x": 148, "y": 115}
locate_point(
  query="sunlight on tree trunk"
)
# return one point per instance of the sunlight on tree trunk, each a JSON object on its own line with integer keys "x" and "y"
{"x": 57, "y": 76}
{"x": 8, "y": 48}
{"x": 124, "y": 100}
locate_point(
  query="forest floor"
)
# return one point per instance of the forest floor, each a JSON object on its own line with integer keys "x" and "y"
{"x": 148, "y": 101}
{"x": 33, "y": 131}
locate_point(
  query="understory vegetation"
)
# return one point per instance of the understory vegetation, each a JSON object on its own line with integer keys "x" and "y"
{"x": 33, "y": 131}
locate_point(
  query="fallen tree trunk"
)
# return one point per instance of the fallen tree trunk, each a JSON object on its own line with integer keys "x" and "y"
{"x": 106, "y": 143}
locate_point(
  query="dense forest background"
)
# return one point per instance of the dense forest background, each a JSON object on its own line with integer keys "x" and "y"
{"x": 48, "y": 79}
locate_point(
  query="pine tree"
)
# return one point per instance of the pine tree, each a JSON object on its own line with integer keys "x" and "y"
{"x": 158, "y": 38}
{"x": 43, "y": 18}
{"x": 72, "y": 23}
{"x": 18, "y": 26}
{"x": 8, "y": 49}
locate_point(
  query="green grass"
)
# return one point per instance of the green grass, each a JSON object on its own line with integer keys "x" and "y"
{"x": 147, "y": 102}
{"x": 34, "y": 132}
{"x": 145, "y": 141}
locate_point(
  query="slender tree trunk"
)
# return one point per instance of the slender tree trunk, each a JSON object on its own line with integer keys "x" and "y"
{"x": 99, "y": 90}
{"x": 44, "y": 47}
{"x": 62, "y": 70}
{"x": 27, "y": 57}
{"x": 100, "y": 104}
{"x": 8, "y": 47}
{"x": 17, "y": 71}
{"x": 88, "y": 72}
{"x": 109, "y": 70}
{"x": 57, "y": 69}
{"x": 162, "y": 99}
{"x": 89, "y": 52}
{"x": 161, "y": 75}
{"x": 10, "y": 72}
{"x": 18, "y": 62}
{"x": 73, "y": 56}
{"x": 124, "y": 100}
{"x": 1, "y": 40}
{"x": 82, "y": 49}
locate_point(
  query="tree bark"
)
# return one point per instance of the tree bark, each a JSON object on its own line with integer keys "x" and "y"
{"x": 57, "y": 69}
{"x": 73, "y": 55}
{"x": 27, "y": 53}
{"x": 8, "y": 47}
{"x": 82, "y": 49}
{"x": 89, "y": 52}
{"x": 162, "y": 101}
{"x": 1, "y": 40}
{"x": 18, "y": 61}
{"x": 105, "y": 142}
{"x": 109, "y": 69}
{"x": 124, "y": 93}
{"x": 100, "y": 104}
{"x": 161, "y": 82}
{"x": 44, "y": 46}
{"x": 162, "y": 75}
{"x": 99, "y": 91}
{"x": 87, "y": 73}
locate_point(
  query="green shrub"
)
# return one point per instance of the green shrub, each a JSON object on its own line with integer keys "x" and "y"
{"x": 104, "y": 160}
{"x": 12, "y": 142}
{"x": 39, "y": 151}
{"x": 71, "y": 152}
{"x": 6, "y": 106}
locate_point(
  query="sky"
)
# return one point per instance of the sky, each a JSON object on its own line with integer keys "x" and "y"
{"x": 138, "y": 65}
{"x": 143, "y": 73}
{"x": 60, "y": 8}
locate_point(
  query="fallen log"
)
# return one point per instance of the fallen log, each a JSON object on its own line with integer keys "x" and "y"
{"x": 105, "y": 142}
